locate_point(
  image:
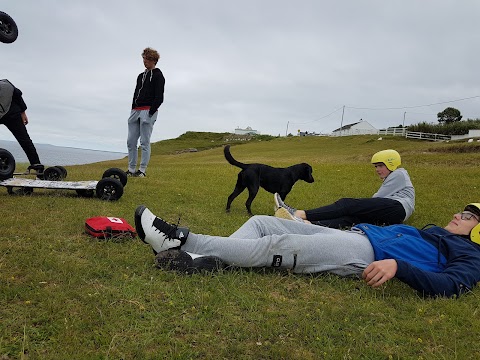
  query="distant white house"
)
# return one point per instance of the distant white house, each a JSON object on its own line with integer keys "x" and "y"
{"x": 247, "y": 131}
{"x": 358, "y": 128}
{"x": 307, "y": 133}
{"x": 471, "y": 134}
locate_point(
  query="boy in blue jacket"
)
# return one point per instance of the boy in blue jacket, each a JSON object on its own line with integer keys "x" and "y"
{"x": 435, "y": 261}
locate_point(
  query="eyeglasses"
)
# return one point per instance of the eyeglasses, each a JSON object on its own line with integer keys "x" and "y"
{"x": 466, "y": 215}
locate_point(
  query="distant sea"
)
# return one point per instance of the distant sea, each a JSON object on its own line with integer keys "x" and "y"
{"x": 59, "y": 155}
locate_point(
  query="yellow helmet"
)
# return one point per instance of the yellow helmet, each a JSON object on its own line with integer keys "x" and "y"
{"x": 475, "y": 233}
{"x": 390, "y": 158}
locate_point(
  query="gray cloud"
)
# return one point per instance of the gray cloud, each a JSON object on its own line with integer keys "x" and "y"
{"x": 251, "y": 63}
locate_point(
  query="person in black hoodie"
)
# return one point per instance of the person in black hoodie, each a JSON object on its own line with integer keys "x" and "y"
{"x": 147, "y": 98}
{"x": 13, "y": 115}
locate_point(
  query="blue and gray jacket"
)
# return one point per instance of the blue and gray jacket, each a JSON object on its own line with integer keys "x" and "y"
{"x": 432, "y": 261}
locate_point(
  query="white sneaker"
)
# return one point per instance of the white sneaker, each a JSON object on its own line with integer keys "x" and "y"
{"x": 156, "y": 232}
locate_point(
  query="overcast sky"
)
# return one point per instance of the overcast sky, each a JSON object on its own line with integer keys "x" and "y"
{"x": 267, "y": 64}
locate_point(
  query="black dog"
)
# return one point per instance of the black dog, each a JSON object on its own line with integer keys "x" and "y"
{"x": 274, "y": 180}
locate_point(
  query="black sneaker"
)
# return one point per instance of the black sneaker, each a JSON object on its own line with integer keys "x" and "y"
{"x": 182, "y": 261}
{"x": 129, "y": 173}
{"x": 39, "y": 169}
{"x": 156, "y": 232}
{"x": 139, "y": 173}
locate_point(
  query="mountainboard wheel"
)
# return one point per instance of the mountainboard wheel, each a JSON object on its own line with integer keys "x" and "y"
{"x": 109, "y": 189}
{"x": 53, "y": 174}
{"x": 8, "y": 29}
{"x": 63, "y": 170}
{"x": 116, "y": 174}
{"x": 7, "y": 164}
{"x": 87, "y": 193}
{"x": 20, "y": 191}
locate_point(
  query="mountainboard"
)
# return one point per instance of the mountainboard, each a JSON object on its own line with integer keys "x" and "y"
{"x": 110, "y": 187}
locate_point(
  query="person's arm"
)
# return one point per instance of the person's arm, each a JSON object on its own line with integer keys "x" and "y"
{"x": 460, "y": 275}
{"x": 138, "y": 84}
{"x": 378, "y": 272}
{"x": 17, "y": 99}
{"x": 159, "y": 87}
{"x": 393, "y": 183}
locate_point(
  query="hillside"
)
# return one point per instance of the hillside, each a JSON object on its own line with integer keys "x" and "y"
{"x": 65, "y": 295}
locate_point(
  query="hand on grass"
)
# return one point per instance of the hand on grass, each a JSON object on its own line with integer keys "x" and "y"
{"x": 378, "y": 272}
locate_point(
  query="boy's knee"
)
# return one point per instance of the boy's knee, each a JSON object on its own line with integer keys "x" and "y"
{"x": 261, "y": 219}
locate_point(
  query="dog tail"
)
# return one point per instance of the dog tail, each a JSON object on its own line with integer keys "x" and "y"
{"x": 231, "y": 160}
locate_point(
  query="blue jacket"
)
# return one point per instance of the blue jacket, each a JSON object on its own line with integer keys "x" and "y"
{"x": 432, "y": 261}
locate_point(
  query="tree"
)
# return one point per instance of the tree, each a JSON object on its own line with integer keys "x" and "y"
{"x": 449, "y": 115}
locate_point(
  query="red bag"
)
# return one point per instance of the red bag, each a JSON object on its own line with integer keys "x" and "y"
{"x": 107, "y": 227}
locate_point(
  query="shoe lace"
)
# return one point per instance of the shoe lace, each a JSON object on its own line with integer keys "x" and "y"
{"x": 170, "y": 230}
{"x": 290, "y": 209}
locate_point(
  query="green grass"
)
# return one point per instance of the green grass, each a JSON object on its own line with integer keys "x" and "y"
{"x": 65, "y": 295}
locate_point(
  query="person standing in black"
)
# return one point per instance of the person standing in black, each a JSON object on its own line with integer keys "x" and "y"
{"x": 13, "y": 115}
{"x": 147, "y": 98}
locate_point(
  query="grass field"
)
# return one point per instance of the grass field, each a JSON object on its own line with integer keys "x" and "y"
{"x": 64, "y": 295}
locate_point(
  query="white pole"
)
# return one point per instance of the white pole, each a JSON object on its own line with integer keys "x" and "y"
{"x": 341, "y": 124}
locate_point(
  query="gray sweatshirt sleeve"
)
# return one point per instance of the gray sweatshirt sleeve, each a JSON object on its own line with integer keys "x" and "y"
{"x": 398, "y": 186}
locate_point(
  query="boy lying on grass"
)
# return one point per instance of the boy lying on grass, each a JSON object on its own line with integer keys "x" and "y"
{"x": 435, "y": 261}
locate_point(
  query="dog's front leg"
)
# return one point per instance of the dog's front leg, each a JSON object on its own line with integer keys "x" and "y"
{"x": 252, "y": 192}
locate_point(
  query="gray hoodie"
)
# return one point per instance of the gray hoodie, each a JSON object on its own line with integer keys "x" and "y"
{"x": 398, "y": 186}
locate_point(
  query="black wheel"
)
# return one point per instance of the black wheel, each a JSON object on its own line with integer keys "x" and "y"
{"x": 8, "y": 29}
{"x": 53, "y": 174}
{"x": 109, "y": 189}
{"x": 7, "y": 164}
{"x": 85, "y": 193}
{"x": 20, "y": 191}
{"x": 63, "y": 170}
{"x": 116, "y": 173}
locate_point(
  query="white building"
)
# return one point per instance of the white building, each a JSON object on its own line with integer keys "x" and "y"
{"x": 358, "y": 128}
{"x": 247, "y": 131}
{"x": 471, "y": 134}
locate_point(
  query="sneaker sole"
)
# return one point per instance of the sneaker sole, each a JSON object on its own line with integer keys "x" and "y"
{"x": 174, "y": 260}
{"x": 179, "y": 260}
{"x": 138, "y": 222}
{"x": 208, "y": 263}
{"x": 283, "y": 213}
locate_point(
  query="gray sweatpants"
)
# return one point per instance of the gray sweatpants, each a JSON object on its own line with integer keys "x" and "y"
{"x": 140, "y": 125}
{"x": 267, "y": 241}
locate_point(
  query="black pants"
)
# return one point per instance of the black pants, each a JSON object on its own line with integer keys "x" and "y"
{"x": 346, "y": 212}
{"x": 15, "y": 124}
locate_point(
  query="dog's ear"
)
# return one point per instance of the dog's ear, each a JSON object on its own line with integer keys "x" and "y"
{"x": 308, "y": 173}
{"x": 308, "y": 167}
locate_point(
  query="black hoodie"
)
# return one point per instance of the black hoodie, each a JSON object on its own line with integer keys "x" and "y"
{"x": 149, "y": 90}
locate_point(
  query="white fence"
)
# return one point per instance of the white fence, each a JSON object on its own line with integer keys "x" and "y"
{"x": 414, "y": 135}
